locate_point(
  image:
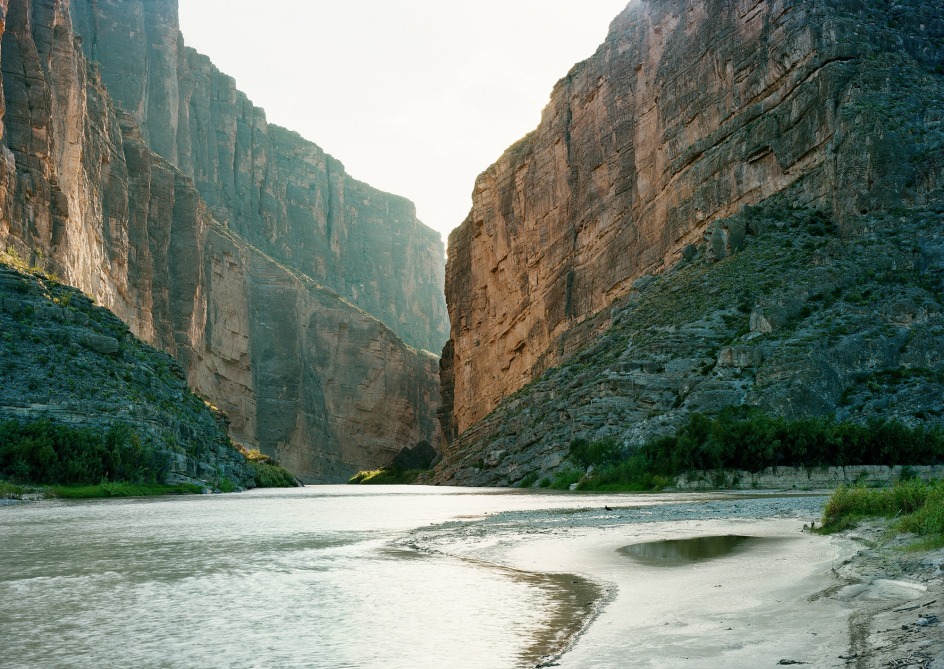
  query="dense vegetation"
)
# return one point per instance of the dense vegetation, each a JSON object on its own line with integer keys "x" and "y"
{"x": 85, "y": 463}
{"x": 407, "y": 466}
{"x": 267, "y": 472}
{"x": 121, "y": 489}
{"x": 92, "y": 403}
{"x": 386, "y": 476}
{"x": 45, "y": 452}
{"x": 747, "y": 439}
{"x": 917, "y": 506}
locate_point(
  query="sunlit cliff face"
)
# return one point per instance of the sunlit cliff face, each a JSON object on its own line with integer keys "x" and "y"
{"x": 286, "y": 289}
{"x": 688, "y": 112}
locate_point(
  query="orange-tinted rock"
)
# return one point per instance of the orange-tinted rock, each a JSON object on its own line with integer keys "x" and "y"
{"x": 302, "y": 372}
{"x": 687, "y": 112}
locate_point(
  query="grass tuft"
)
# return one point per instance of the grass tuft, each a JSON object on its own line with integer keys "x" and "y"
{"x": 529, "y": 480}
{"x": 917, "y": 506}
{"x": 106, "y": 490}
{"x": 269, "y": 474}
{"x": 11, "y": 490}
{"x": 385, "y": 476}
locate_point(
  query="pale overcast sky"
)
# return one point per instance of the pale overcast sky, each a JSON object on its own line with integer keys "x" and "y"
{"x": 415, "y": 97}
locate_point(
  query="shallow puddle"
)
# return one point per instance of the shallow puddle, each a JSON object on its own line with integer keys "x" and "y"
{"x": 671, "y": 552}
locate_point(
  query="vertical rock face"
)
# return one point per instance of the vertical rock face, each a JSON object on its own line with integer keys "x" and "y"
{"x": 74, "y": 364}
{"x": 690, "y": 110}
{"x": 276, "y": 190}
{"x": 84, "y": 190}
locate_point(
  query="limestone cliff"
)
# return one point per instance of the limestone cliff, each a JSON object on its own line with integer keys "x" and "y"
{"x": 276, "y": 190}
{"x": 618, "y": 241}
{"x": 303, "y": 373}
{"x": 690, "y": 110}
{"x": 64, "y": 360}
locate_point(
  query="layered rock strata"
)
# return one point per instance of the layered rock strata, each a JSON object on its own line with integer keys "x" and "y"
{"x": 799, "y": 321}
{"x": 689, "y": 111}
{"x": 303, "y": 373}
{"x": 64, "y": 360}
{"x": 276, "y": 190}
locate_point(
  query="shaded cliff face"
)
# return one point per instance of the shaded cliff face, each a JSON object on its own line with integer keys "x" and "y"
{"x": 278, "y": 191}
{"x": 797, "y": 320}
{"x": 688, "y": 112}
{"x": 65, "y": 360}
{"x": 303, "y": 373}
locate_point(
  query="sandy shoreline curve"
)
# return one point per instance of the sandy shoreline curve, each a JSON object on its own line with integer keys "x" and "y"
{"x": 786, "y": 597}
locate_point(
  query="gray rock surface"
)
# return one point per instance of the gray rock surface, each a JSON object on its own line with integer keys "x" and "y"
{"x": 685, "y": 345}
{"x": 728, "y": 203}
{"x": 68, "y": 361}
{"x": 303, "y": 372}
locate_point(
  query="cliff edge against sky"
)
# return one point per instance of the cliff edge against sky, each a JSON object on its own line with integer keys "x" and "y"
{"x": 588, "y": 237}
{"x": 296, "y": 298}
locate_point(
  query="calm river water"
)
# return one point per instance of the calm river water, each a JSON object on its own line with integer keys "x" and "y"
{"x": 318, "y": 577}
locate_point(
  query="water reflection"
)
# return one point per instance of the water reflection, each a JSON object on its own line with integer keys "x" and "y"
{"x": 314, "y": 578}
{"x": 296, "y": 579}
{"x": 670, "y": 552}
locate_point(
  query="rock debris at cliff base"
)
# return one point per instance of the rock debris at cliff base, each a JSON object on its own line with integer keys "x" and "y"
{"x": 798, "y": 321}
{"x": 297, "y": 299}
{"x": 728, "y": 203}
{"x": 68, "y": 362}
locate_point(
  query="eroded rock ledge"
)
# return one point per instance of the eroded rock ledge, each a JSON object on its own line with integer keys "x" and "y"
{"x": 279, "y": 344}
{"x": 688, "y": 112}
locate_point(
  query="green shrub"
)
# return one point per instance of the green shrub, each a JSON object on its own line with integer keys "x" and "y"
{"x": 918, "y": 505}
{"x": 603, "y": 452}
{"x": 11, "y": 491}
{"x": 45, "y": 452}
{"x": 529, "y": 480}
{"x": 122, "y": 489}
{"x": 226, "y": 485}
{"x": 271, "y": 475}
{"x": 743, "y": 438}
{"x": 632, "y": 474}
{"x": 566, "y": 478}
{"x": 386, "y": 476}
{"x": 361, "y": 475}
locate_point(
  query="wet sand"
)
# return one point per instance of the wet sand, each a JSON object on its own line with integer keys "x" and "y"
{"x": 897, "y": 599}
{"x": 749, "y": 608}
{"x": 762, "y": 593}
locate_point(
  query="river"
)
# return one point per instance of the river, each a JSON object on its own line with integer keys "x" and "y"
{"x": 323, "y": 577}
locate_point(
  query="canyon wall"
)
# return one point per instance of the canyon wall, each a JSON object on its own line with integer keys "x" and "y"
{"x": 276, "y": 190}
{"x": 689, "y": 111}
{"x": 86, "y": 193}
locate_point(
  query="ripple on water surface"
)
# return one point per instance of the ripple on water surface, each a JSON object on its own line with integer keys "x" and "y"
{"x": 300, "y": 579}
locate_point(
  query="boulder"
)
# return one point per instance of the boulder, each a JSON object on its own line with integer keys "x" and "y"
{"x": 420, "y": 456}
{"x": 740, "y": 356}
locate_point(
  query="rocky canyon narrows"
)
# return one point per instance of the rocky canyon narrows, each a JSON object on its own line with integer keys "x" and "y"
{"x": 300, "y": 301}
{"x": 697, "y": 125}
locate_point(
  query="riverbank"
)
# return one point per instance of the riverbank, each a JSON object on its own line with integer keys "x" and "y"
{"x": 781, "y": 596}
{"x": 12, "y": 493}
{"x": 408, "y": 576}
{"x": 898, "y": 599}
{"x": 803, "y": 478}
